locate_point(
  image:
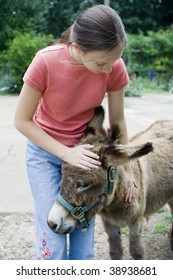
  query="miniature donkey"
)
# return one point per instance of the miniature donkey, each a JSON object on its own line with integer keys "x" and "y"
{"x": 87, "y": 192}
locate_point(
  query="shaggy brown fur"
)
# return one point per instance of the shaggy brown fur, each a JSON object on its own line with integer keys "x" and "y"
{"x": 153, "y": 175}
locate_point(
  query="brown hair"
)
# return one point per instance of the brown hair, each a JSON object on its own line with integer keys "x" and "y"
{"x": 98, "y": 28}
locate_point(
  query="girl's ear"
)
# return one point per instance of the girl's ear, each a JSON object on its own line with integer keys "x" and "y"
{"x": 77, "y": 48}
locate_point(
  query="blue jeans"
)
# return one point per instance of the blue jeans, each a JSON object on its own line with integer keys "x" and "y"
{"x": 44, "y": 174}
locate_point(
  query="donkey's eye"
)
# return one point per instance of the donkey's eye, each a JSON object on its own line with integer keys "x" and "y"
{"x": 81, "y": 185}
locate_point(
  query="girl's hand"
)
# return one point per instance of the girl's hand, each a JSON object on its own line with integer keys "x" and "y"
{"x": 81, "y": 156}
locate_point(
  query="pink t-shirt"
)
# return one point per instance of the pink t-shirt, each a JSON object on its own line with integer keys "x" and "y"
{"x": 70, "y": 92}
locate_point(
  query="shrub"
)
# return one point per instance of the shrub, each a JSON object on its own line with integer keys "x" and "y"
{"x": 151, "y": 54}
{"x": 19, "y": 55}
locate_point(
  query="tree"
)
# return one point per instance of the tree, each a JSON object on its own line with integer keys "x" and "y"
{"x": 148, "y": 15}
{"x": 61, "y": 14}
{"x": 165, "y": 13}
{"x": 21, "y": 16}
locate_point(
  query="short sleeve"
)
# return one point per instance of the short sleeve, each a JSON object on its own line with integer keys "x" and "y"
{"x": 36, "y": 74}
{"x": 118, "y": 77}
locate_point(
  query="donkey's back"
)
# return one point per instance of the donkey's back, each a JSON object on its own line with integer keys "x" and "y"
{"x": 158, "y": 166}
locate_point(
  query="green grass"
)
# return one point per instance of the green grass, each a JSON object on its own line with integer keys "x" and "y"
{"x": 169, "y": 218}
{"x": 161, "y": 210}
{"x": 125, "y": 230}
{"x": 160, "y": 228}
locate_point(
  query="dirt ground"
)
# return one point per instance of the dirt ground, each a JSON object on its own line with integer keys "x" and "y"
{"x": 17, "y": 235}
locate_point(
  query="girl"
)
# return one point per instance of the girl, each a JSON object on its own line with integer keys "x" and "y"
{"x": 62, "y": 86}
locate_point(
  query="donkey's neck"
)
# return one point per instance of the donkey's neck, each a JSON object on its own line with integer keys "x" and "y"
{"x": 119, "y": 193}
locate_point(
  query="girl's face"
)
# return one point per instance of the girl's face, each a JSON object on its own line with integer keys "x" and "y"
{"x": 99, "y": 61}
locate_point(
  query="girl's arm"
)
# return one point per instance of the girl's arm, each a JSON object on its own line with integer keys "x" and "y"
{"x": 116, "y": 117}
{"x": 79, "y": 156}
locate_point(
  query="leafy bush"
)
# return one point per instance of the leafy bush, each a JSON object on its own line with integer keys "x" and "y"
{"x": 19, "y": 55}
{"x": 151, "y": 54}
{"x": 140, "y": 86}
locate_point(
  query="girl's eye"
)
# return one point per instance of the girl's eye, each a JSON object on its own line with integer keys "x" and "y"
{"x": 100, "y": 64}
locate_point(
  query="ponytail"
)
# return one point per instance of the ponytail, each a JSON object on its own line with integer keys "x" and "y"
{"x": 65, "y": 37}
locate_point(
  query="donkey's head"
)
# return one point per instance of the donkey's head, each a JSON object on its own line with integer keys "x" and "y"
{"x": 85, "y": 192}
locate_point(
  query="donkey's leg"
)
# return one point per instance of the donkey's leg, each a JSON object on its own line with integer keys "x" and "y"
{"x": 136, "y": 247}
{"x": 114, "y": 239}
{"x": 171, "y": 234}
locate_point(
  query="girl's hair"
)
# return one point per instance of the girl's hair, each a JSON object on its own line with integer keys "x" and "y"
{"x": 98, "y": 28}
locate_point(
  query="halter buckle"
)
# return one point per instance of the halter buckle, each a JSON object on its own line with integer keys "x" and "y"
{"x": 77, "y": 213}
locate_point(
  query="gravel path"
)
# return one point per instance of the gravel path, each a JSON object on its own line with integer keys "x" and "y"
{"x": 17, "y": 235}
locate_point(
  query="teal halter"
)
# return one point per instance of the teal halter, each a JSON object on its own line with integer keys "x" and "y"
{"x": 78, "y": 212}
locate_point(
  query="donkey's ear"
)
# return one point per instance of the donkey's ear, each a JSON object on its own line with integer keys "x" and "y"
{"x": 96, "y": 124}
{"x": 122, "y": 154}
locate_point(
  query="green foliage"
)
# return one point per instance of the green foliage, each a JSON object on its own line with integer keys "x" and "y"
{"x": 151, "y": 52}
{"x": 160, "y": 228}
{"x": 161, "y": 210}
{"x": 53, "y": 17}
{"x": 147, "y": 50}
{"x": 141, "y": 86}
{"x": 169, "y": 218}
{"x": 124, "y": 230}
{"x": 163, "y": 57}
{"x": 20, "y": 53}
{"x": 145, "y": 15}
{"x": 19, "y": 15}
{"x": 134, "y": 88}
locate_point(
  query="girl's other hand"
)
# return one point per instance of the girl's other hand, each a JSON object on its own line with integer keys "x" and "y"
{"x": 130, "y": 186}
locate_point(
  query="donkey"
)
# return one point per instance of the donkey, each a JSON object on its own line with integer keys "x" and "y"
{"x": 87, "y": 192}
